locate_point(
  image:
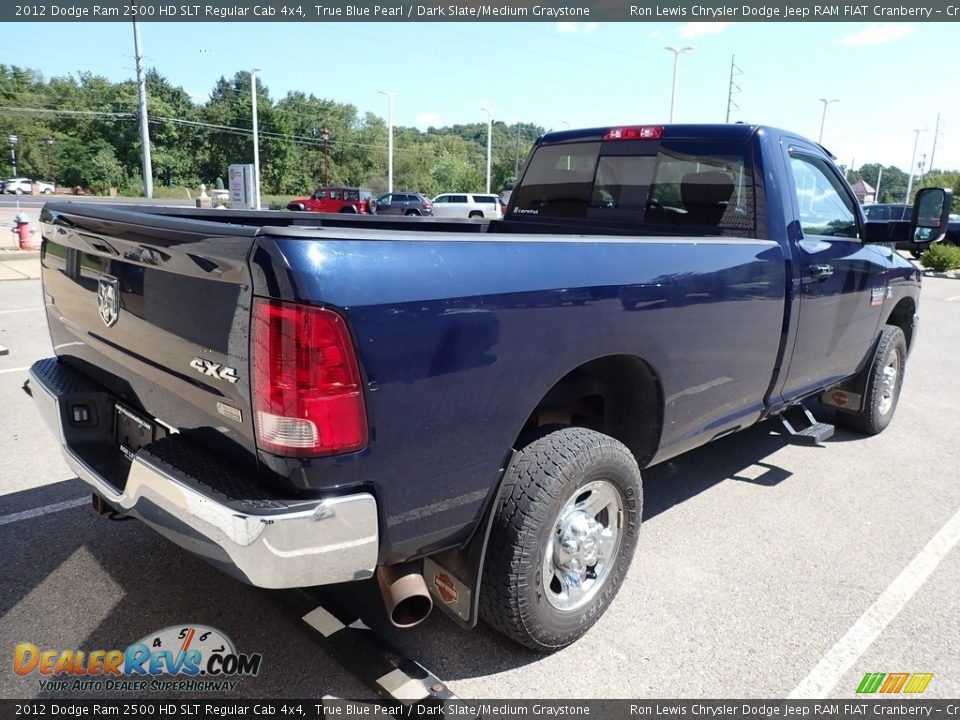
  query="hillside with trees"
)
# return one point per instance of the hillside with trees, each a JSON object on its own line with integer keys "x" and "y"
{"x": 96, "y": 142}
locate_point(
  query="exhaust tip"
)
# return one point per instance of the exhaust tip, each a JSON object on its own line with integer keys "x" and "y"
{"x": 405, "y": 595}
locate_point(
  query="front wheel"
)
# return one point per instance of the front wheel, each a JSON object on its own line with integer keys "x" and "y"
{"x": 563, "y": 537}
{"x": 884, "y": 380}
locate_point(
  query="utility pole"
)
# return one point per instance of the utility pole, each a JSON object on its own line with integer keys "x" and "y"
{"x": 913, "y": 165}
{"x": 936, "y": 133}
{"x": 144, "y": 120}
{"x": 516, "y": 158}
{"x": 876, "y": 190}
{"x": 734, "y": 71}
{"x": 489, "y": 113}
{"x": 13, "y": 153}
{"x": 256, "y": 138}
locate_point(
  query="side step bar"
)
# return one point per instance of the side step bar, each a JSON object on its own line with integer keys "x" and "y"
{"x": 803, "y": 427}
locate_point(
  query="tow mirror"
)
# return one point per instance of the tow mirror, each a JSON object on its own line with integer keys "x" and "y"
{"x": 931, "y": 213}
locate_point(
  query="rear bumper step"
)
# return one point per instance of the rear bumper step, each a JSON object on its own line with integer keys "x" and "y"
{"x": 196, "y": 502}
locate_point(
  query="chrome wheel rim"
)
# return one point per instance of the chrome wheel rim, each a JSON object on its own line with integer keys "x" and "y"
{"x": 582, "y": 547}
{"x": 888, "y": 384}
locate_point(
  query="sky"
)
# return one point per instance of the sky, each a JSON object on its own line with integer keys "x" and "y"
{"x": 888, "y": 79}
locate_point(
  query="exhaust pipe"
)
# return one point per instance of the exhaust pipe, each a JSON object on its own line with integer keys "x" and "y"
{"x": 405, "y": 594}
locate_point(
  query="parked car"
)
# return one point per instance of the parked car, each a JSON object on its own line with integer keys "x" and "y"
{"x": 404, "y": 203}
{"x": 334, "y": 200}
{"x": 24, "y": 186}
{"x": 467, "y": 205}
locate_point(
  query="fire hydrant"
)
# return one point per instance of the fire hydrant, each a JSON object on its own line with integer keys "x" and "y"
{"x": 21, "y": 226}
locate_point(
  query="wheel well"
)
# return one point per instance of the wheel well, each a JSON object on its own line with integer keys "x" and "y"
{"x": 618, "y": 395}
{"x": 902, "y": 317}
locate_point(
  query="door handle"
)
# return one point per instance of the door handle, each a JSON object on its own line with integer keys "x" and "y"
{"x": 821, "y": 272}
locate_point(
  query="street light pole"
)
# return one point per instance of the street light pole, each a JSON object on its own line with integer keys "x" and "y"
{"x": 326, "y": 158}
{"x": 256, "y": 138}
{"x": 489, "y": 113}
{"x": 677, "y": 52}
{"x": 53, "y": 168}
{"x": 13, "y": 153}
{"x": 390, "y": 95}
{"x": 823, "y": 118}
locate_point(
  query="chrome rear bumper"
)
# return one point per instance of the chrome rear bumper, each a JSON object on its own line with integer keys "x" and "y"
{"x": 268, "y": 542}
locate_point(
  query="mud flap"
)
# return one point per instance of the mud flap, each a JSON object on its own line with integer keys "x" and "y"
{"x": 454, "y": 576}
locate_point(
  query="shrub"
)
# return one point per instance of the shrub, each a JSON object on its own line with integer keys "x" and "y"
{"x": 941, "y": 257}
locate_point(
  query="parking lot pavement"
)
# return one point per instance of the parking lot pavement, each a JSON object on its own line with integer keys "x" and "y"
{"x": 763, "y": 569}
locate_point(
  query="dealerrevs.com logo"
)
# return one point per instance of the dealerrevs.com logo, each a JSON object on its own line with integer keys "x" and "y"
{"x": 199, "y": 658}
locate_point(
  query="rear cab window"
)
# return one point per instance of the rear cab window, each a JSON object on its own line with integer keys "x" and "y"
{"x": 664, "y": 186}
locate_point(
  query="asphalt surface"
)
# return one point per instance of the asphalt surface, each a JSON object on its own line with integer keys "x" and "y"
{"x": 756, "y": 558}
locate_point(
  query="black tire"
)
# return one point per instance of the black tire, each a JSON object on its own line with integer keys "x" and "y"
{"x": 545, "y": 479}
{"x": 349, "y": 209}
{"x": 412, "y": 213}
{"x": 475, "y": 214}
{"x": 919, "y": 251}
{"x": 880, "y": 397}
{"x": 295, "y": 206}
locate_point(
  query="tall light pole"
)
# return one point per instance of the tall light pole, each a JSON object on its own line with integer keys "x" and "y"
{"x": 823, "y": 118}
{"x": 677, "y": 52}
{"x": 144, "y": 120}
{"x": 53, "y": 168}
{"x": 489, "y": 113}
{"x": 326, "y": 158}
{"x": 256, "y": 138}
{"x": 390, "y": 95}
{"x": 913, "y": 162}
{"x": 13, "y": 153}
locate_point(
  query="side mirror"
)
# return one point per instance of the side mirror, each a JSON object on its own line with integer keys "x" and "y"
{"x": 931, "y": 214}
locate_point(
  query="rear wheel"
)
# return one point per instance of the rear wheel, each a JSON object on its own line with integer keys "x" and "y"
{"x": 476, "y": 214}
{"x": 563, "y": 537}
{"x": 884, "y": 380}
{"x": 411, "y": 213}
{"x": 349, "y": 209}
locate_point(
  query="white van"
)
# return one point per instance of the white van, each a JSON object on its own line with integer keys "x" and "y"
{"x": 467, "y": 205}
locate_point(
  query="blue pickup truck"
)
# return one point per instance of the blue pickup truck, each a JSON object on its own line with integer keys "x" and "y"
{"x": 463, "y": 409}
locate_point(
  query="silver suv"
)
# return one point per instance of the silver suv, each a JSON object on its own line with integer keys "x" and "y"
{"x": 467, "y": 205}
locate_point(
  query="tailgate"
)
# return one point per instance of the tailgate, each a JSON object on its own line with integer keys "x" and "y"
{"x": 157, "y": 310}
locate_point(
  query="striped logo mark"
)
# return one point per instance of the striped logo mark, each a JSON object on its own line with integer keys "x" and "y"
{"x": 894, "y": 683}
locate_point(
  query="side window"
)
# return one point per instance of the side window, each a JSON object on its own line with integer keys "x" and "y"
{"x": 320, "y": 195}
{"x": 876, "y": 212}
{"x": 334, "y": 194}
{"x": 458, "y": 199}
{"x": 440, "y": 200}
{"x": 351, "y": 194}
{"x": 825, "y": 206}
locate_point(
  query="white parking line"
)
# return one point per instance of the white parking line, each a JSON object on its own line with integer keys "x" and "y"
{"x": 848, "y": 649}
{"x": 45, "y": 510}
{"x": 952, "y": 299}
{"x": 19, "y": 369}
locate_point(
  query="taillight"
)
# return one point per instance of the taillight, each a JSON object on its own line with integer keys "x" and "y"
{"x": 638, "y": 132}
{"x": 307, "y": 393}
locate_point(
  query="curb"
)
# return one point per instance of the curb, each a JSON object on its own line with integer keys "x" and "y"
{"x": 950, "y": 274}
{"x": 19, "y": 255}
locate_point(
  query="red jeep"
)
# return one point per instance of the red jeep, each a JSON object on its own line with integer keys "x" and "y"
{"x": 334, "y": 200}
